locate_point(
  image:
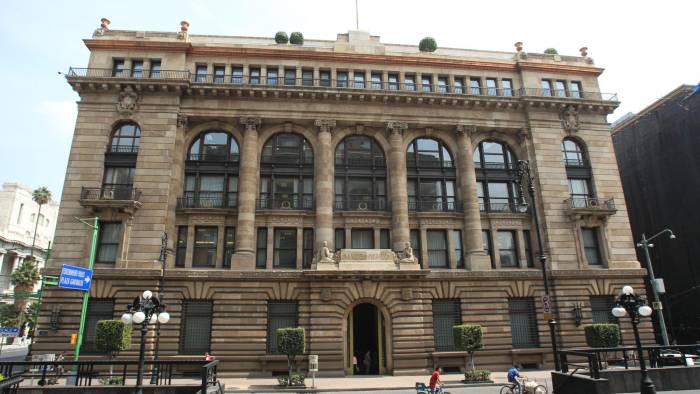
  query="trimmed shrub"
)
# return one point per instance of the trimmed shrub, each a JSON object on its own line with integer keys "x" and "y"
{"x": 477, "y": 375}
{"x": 551, "y": 51}
{"x": 602, "y": 335}
{"x": 467, "y": 338}
{"x": 291, "y": 342}
{"x": 296, "y": 38}
{"x": 112, "y": 337}
{"x": 427, "y": 44}
{"x": 281, "y": 37}
{"x": 297, "y": 380}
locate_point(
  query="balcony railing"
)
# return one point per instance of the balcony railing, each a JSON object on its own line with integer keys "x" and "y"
{"x": 361, "y": 162}
{"x": 213, "y": 157}
{"x": 361, "y": 204}
{"x": 434, "y": 205}
{"x": 109, "y": 193}
{"x": 305, "y": 203}
{"x": 123, "y": 149}
{"x": 208, "y": 200}
{"x": 591, "y": 203}
{"x": 563, "y": 94}
{"x": 429, "y": 163}
{"x": 497, "y": 205}
{"x": 288, "y": 160}
{"x": 574, "y": 163}
{"x": 127, "y": 74}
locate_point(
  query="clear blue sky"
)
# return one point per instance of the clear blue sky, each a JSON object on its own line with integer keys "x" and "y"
{"x": 646, "y": 47}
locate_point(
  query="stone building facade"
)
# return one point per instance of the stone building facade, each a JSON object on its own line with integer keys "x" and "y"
{"x": 253, "y": 155}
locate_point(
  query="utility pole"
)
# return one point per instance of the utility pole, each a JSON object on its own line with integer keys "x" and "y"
{"x": 656, "y": 303}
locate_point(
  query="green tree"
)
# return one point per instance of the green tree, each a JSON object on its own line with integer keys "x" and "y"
{"x": 291, "y": 342}
{"x": 296, "y": 38}
{"x": 24, "y": 278}
{"x": 112, "y": 337}
{"x": 467, "y": 338}
{"x": 41, "y": 196}
{"x": 8, "y": 315}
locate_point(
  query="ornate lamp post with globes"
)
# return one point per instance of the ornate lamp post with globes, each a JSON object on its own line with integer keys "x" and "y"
{"x": 146, "y": 309}
{"x": 635, "y": 306}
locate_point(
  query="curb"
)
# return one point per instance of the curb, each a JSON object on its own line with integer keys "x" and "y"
{"x": 330, "y": 390}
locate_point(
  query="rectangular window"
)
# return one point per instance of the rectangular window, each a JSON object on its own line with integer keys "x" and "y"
{"x": 415, "y": 242}
{"x": 342, "y": 79}
{"x": 339, "y": 238}
{"x": 272, "y": 74}
{"x": 181, "y": 246}
{"x": 507, "y": 86}
{"x": 205, "y": 238}
{"x": 546, "y": 88}
{"x": 475, "y": 86}
{"x": 507, "y": 249}
{"x": 98, "y": 309}
{"x": 578, "y": 189}
{"x": 290, "y": 76}
{"x": 384, "y": 239}
{"x": 442, "y": 85}
{"x": 118, "y": 68}
{"x": 575, "y": 90}
{"x": 237, "y": 75}
{"x": 261, "y": 248}
{"x": 446, "y": 314}
{"x": 308, "y": 247}
{"x": 459, "y": 86}
{"x": 195, "y": 337}
{"x": 393, "y": 81}
{"x": 362, "y": 238}
{"x": 359, "y": 79}
{"x": 280, "y": 314}
{"x": 229, "y": 245}
{"x": 528, "y": 249}
{"x": 155, "y": 69}
{"x": 523, "y": 322}
{"x": 137, "y": 68}
{"x": 560, "y": 88}
{"x": 325, "y": 78}
{"x": 499, "y": 200}
{"x": 437, "y": 249}
{"x": 307, "y": 77}
{"x": 601, "y": 309}
{"x": 491, "y": 89}
{"x": 219, "y": 72}
{"x": 591, "y": 246}
{"x": 254, "y": 76}
{"x": 108, "y": 244}
{"x": 376, "y": 80}
{"x": 459, "y": 250}
{"x": 426, "y": 82}
{"x": 200, "y": 73}
{"x": 409, "y": 82}
{"x": 488, "y": 249}
{"x": 285, "y": 250}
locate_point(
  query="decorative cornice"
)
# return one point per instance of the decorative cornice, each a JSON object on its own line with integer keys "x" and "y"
{"x": 397, "y": 127}
{"x": 251, "y": 123}
{"x": 325, "y": 125}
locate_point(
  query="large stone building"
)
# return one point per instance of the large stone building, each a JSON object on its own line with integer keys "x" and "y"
{"x": 251, "y": 155}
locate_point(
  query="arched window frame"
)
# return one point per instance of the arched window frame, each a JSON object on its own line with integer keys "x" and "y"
{"x": 353, "y": 167}
{"x": 426, "y": 175}
{"x": 124, "y": 140}
{"x": 496, "y": 189}
{"x": 578, "y": 173}
{"x": 197, "y": 149}
{"x": 280, "y": 165}
{"x": 575, "y": 157}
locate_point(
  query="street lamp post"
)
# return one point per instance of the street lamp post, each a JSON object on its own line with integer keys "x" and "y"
{"x": 656, "y": 303}
{"x": 523, "y": 173}
{"x": 631, "y": 304}
{"x": 162, "y": 259}
{"x": 146, "y": 309}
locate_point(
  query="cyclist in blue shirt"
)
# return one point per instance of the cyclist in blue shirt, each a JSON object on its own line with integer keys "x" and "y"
{"x": 513, "y": 374}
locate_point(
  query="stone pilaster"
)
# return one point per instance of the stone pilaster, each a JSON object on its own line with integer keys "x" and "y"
{"x": 466, "y": 176}
{"x": 397, "y": 184}
{"x": 244, "y": 257}
{"x": 323, "y": 185}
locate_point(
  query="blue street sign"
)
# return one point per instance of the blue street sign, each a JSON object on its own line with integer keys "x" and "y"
{"x": 9, "y": 331}
{"x": 76, "y": 278}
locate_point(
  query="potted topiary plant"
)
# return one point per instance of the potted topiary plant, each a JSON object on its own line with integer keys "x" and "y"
{"x": 291, "y": 342}
{"x": 467, "y": 338}
{"x": 551, "y": 51}
{"x": 296, "y": 38}
{"x": 427, "y": 44}
{"x": 112, "y": 337}
{"x": 281, "y": 37}
{"x": 602, "y": 335}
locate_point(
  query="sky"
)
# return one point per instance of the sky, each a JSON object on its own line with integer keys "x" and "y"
{"x": 644, "y": 47}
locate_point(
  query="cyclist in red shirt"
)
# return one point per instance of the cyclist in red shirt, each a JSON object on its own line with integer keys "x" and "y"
{"x": 435, "y": 381}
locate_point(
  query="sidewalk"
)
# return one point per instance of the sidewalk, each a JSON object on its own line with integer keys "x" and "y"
{"x": 365, "y": 383}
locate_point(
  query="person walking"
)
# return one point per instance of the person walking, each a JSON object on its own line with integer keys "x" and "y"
{"x": 355, "y": 368}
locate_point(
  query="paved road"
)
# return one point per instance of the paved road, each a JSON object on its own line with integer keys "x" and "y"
{"x": 457, "y": 390}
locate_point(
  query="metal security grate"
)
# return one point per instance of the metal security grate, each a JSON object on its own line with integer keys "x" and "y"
{"x": 601, "y": 309}
{"x": 280, "y": 314}
{"x": 523, "y": 322}
{"x": 195, "y": 337}
{"x": 446, "y": 314}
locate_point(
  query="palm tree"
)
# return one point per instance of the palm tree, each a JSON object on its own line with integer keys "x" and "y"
{"x": 41, "y": 196}
{"x": 24, "y": 278}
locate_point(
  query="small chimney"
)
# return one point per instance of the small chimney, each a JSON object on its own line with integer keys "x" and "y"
{"x": 184, "y": 26}
{"x": 584, "y": 51}
{"x": 104, "y": 23}
{"x": 519, "y": 46}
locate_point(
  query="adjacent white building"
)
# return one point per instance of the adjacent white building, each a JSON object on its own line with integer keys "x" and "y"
{"x": 18, "y": 218}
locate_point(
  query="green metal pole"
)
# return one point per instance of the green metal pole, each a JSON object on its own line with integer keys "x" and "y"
{"x": 86, "y": 295}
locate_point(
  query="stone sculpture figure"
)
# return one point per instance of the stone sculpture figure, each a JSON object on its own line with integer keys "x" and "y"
{"x": 325, "y": 255}
{"x": 407, "y": 254}
{"x": 569, "y": 119}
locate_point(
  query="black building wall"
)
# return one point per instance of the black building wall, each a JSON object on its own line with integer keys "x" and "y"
{"x": 658, "y": 153}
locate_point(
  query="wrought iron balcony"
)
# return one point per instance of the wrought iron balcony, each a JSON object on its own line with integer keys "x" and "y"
{"x": 213, "y": 157}
{"x": 361, "y": 204}
{"x": 108, "y": 73}
{"x": 411, "y": 163}
{"x": 360, "y": 162}
{"x": 434, "y": 205}
{"x": 497, "y": 205}
{"x": 126, "y": 149}
{"x": 305, "y": 203}
{"x": 110, "y": 196}
{"x": 224, "y": 200}
{"x": 591, "y": 206}
{"x": 565, "y": 95}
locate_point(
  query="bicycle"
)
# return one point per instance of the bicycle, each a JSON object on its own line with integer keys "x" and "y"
{"x": 421, "y": 388}
{"x": 528, "y": 387}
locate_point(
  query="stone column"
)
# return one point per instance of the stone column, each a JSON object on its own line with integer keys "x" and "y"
{"x": 244, "y": 257}
{"x": 323, "y": 185}
{"x": 475, "y": 258}
{"x": 399, "y": 196}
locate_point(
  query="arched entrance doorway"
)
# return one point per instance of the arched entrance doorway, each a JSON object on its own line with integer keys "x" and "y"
{"x": 367, "y": 341}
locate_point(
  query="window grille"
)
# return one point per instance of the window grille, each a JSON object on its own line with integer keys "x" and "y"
{"x": 195, "y": 337}
{"x": 523, "y": 322}
{"x": 446, "y": 314}
{"x": 601, "y": 309}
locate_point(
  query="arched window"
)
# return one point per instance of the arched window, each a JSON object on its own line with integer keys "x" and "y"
{"x": 431, "y": 174}
{"x": 495, "y": 163}
{"x": 211, "y": 181}
{"x": 286, "y": 173}
{"x": 360, "y": 175}
{"x": 578, "y": 173}
{"x": 214, "y": 146}
{"x": 125, "y": 139}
